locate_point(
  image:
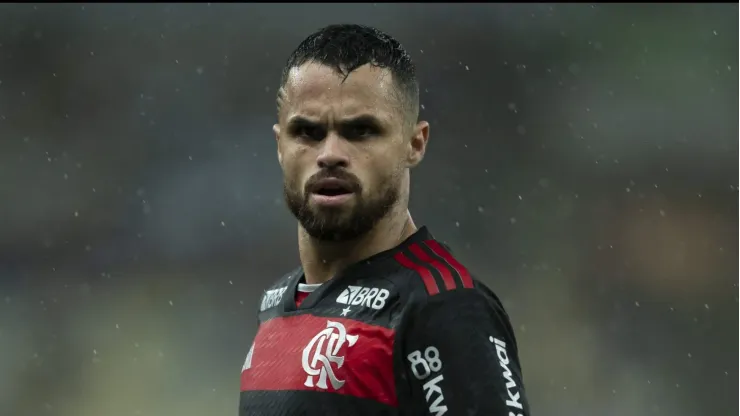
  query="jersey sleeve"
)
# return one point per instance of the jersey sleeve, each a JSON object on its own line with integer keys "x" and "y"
{"x": 460, "y": 358}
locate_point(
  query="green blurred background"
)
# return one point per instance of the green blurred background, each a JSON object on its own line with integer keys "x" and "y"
{"x": 583, "y": 162}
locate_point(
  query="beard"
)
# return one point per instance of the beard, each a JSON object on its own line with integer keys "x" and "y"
{"x": 341, "y": 223}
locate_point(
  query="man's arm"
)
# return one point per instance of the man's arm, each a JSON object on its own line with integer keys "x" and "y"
{"x": 460, "y": 357}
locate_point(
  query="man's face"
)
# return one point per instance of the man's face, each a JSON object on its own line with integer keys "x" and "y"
{"x": 342, "y": 149}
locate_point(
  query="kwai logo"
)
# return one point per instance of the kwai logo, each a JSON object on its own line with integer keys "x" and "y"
{"x": 511, "y": 388}
{"x": 369, "y": 297}
{"x": 322, "y": 351}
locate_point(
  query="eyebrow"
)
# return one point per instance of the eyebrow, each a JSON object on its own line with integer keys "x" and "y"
{"x": 299, "y": 121}
{"x": 364, "y": 119}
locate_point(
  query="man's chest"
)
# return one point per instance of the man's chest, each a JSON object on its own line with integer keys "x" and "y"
{"x": 324, "y": 355}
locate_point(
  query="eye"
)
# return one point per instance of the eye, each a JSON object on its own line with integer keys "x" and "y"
{"x": 359, "y": 131}
{"x": 310, "y": 132}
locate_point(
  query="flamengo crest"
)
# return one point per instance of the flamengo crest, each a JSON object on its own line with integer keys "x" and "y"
{"x": 322, "y": 351}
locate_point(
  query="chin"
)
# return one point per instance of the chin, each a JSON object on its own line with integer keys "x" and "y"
{"x": 333, "y": 233}
{"x": 332, "y": 217}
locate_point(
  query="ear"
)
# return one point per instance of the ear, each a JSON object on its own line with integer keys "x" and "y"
{"x": 276, "y": 130}
{"x": 418, "y": 144}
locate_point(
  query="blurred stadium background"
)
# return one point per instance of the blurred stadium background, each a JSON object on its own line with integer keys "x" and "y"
{"x": 583, "y": 162}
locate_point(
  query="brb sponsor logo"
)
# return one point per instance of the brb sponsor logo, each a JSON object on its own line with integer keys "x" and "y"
{"x": 364, "y": 296}
{"x": 323, "y": 351}
{"x": 272, "y": 298}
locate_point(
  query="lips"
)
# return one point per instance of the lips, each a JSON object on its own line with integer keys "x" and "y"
{"x": 331, "y": 187}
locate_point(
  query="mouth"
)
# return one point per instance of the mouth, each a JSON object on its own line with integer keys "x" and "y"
{"x": 331, "y": 191}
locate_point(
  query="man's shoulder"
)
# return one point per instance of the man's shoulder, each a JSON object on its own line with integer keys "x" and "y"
{"x": 428, "y": 271}
{"x": 441, "y": 288}
{"x": 436, "y": 280}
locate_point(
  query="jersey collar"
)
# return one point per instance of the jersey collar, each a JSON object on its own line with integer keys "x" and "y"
{"x": 372, "y": 265}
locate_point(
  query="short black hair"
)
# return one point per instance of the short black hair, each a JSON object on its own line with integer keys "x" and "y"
{"x": 346, "y": 47}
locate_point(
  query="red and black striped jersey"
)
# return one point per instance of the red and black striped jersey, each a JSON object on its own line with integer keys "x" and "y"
{"x": 406, "y": 332}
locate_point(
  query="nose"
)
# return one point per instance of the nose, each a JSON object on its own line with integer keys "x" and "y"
{"x": 333, "y": 153}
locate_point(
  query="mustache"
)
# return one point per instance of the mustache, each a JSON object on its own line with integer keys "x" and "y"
{"x": 351, "y": 181}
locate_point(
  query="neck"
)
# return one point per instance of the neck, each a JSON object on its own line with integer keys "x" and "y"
{"x": 322, "y": 260}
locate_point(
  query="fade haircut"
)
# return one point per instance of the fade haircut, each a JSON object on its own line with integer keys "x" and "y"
{"x": 347, "y": 47}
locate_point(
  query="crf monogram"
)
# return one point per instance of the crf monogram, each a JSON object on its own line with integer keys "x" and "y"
{"x": 322, "y": 351}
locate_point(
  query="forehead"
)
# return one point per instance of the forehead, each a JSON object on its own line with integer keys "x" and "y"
{"x": 318, "y": 91}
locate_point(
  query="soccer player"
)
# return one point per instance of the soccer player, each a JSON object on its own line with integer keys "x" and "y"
{"x": 380, "y": 318}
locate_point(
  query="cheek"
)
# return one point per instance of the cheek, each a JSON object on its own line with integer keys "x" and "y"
{"x": 382, "y": 175}
{"x": 296, "y": 167}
